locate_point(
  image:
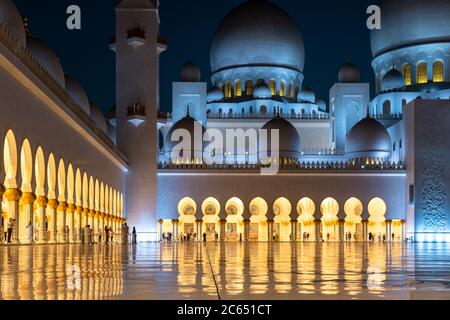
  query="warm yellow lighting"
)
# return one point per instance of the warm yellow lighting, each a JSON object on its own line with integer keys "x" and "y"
{"x": 273, "y": 87}
{"x": 407, "y": 74}
{"x": 438, "y": 71}
{"x": 249, "y": 87}
{"x": 238, "y": 88}
{"x": 291, "y": 91}
{"x": 282, "y": 89}
{"x": 422, "y": 73}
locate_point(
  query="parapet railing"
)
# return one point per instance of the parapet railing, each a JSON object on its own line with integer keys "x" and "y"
{"x": 11, "y": 43}
{"x": 294, "y": 166}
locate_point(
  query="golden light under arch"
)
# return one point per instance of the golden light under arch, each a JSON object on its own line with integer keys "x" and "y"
{"x": 10, "y": 160}
{"x": 26, "y": 166}
{"x": 187, "y": 206}
{"x": 258, "y": 207}
{"x": 211, "y": 206}
{"x": 282, "y": 207}
{"x": 234, "y": 206}
{"x": 306, "y": 209}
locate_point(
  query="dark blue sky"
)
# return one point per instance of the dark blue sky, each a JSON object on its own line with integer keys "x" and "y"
{"x": 334, "y": 32}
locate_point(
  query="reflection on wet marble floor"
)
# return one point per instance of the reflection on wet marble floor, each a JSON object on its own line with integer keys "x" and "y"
{"x": 226, "y": 271}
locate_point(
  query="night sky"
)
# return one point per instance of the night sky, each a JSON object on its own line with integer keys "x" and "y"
{"x": 334, "y": 32}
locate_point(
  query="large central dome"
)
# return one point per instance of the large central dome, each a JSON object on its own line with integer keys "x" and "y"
{"x": 411, "y": 22}
{"x": 257, "y": 33}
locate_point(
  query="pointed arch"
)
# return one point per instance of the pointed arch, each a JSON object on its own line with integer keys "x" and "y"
{"x": 102, "y": 197}
{"x": 97, "y": 196}
{"x": 26, "y": 166}
{"x": 39, "y": 172}
{"x": 114, "y": 199}
{"x": 10, "y": 160}
{"x": 78, "y": 188}
{"x": 107, "y": 199}
{"x": 91, "y": 193}
{"x": 70, "y": 185}
{"x": 61, "y": 180}
{"x": 51, "y": 176}
{"x": 85, "y": 190}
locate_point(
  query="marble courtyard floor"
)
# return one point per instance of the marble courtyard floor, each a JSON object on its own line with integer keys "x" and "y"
{"x": 193, "y": 271}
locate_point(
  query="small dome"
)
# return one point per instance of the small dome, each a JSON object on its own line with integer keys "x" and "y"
{"x": 190, "y": 72}
{"x": 214, "y": 94}
{"x": 289, "y": 140}
{"x": 11, "y": 19}
{"x": 306, "y": 95}
{"x": 47, "y": 58}
{"x": 262, "y": 91}
{"x": 77, "y": 93}
{"x": 187, "y": 123}
{"x": 99, "y": 118}
{"x": 392, "y": 80}
{"x": 349, "y": 73}
{"x": 368, "y": 139}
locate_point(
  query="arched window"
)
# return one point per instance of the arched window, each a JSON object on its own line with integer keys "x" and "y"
{"x": 387, "y": 108}
{"x": 407, "y": 72}
{"x": 400, "y": 144}
{"x": 422, "y": 73}
{"x": 393, "y": 147}
{"x": 249, "y": 88}
{"x": 220, "y": 112}
{"x": 438, "y": 71}
{"x": 227, "y": 90}
{"x": 291, "y": 91}
{"x": 263, "y": 110}
{"x": 273, "y": 87}
{"x": 404, "y": 102}
{"x": 238, "y": 89}
{"x": 282, "y": 89}
{"x": 251, "y": 110}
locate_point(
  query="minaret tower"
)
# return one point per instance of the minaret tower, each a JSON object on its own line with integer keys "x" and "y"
{"x": 137, "y": 70}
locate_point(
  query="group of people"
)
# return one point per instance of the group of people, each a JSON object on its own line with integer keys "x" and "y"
{"x": 188, "y": 236}
{"x": 87, "y": 235}
{"x": 380, "y": 237}
{"x": 9, "y": 229}
{"x": 349, "y": 236}
{"x": 167, "y": 236}
{"x": 306, "y": 236}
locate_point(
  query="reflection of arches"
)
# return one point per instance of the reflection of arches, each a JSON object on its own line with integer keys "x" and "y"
{"x": 26, "y": 166}
{"x": 377, "y": 221}
{"x": 329, "y": 209}
{"x": 39, "y": 172}
{"x": 10, "y": 160}
{"x": 210, "y": 206}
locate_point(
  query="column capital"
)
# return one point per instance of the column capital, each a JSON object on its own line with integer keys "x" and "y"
{"x": 28, "y": 198}
{"x": 199, "y": 220}
{"x": 79, "y": 209}
{"x": 98, "y": 214}
{"x": 13, "y": 194}
{"x": 53, "y": 203}
{"x": 91, "y": 213}
{"x": 270, "y": 220}
{"x": 223, "y": 220}
{"x": 71, "y": 208}
{"x": 85, "y": 211}
{"x": 42, "y": 201}
{"x": 62, "y": 206}
{"x": 160, "y": 221}
{"x": 246, "y": 220}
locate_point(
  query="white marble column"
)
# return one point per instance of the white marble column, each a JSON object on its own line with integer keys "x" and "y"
{"x": 61, "y": 221}
{"x": 12, "y": 205}
{"x": 27, "y": 215}
{"x": 71, "y": 222}
{"x": 51, "y": 214}
{"x": 42, "y": 208}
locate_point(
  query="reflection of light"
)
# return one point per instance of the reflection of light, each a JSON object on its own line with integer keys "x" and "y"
{"x": 432, "y": 237}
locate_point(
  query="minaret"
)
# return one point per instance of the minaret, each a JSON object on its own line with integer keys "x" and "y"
{"x": 137, "y": 84}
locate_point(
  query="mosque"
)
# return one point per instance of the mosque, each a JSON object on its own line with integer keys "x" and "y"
{"x": 354, "y": 165}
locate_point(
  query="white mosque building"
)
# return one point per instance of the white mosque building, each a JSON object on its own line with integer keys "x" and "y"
{"x": 359, "y": 164}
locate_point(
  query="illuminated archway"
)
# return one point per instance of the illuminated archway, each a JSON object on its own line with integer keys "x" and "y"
{"x": 70, "y": 184}
{"x": 306, "y": 221}
{"x": 211, "y": 210}
{"x": 26, "y": 166}
{"x": 377, "y": 221}
{"x": 438, "y": 71}
{"x": 258, "y": 209}
{"x": 234, "y": 229}
{"x": 353, "y": 209}
{"x": 39, "y": 172}
{"x": 282, "y": 221}
{"x": 329, "y": 209}
{"x": 61, "y": 181}
{"x": 91, "y": 193}
{"x": 187, "y": 208}
{"x": 10, "y": 160}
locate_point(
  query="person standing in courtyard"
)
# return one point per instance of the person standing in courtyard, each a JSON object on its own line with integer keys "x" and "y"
{"x": 30, "y": 232}
{"x": 9, "y": 229}
{"x": 134, "y": 240}
{"x": 125, "y": 231}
